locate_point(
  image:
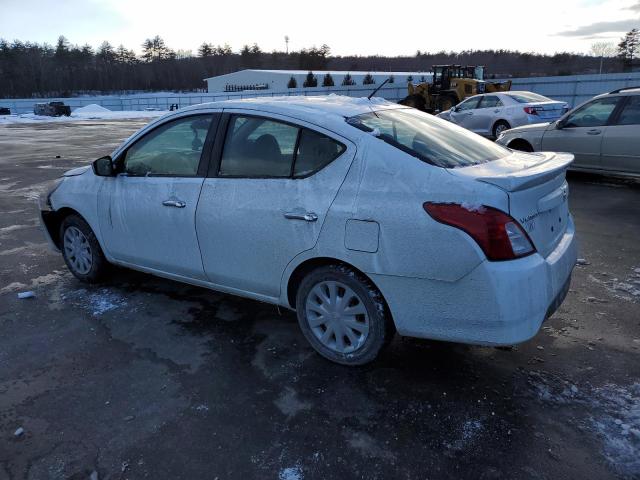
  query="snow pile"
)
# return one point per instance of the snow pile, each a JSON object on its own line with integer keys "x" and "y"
{"x": 82, "y": 113}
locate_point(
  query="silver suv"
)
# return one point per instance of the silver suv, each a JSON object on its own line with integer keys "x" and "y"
{"x": 603, "y": 134}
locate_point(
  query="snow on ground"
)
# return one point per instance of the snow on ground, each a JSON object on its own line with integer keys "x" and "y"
{"x": 88, "y": 112}
{"x": 612, "y": 415}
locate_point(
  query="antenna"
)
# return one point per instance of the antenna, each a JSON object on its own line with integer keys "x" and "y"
{"x": 379, "y": 87}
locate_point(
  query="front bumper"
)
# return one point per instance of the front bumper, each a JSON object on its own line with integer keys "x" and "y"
{"x": 498, "y": 303}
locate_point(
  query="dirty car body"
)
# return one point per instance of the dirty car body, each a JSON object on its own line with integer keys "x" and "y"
{"x": 365, "y": 217}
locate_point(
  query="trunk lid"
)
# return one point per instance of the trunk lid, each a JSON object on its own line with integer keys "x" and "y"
{"x": 549, "y": 111}
{"x": 537, "y": 190}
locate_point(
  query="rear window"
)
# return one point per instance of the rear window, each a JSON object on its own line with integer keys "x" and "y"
{"x": 430, "y": 139}
{"x": 528, "y": 97}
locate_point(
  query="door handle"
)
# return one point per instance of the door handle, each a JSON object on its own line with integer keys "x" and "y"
{"x": 174, "y": 203}
{"x": 595, "y": 131}
{"x": 307, "y": 217}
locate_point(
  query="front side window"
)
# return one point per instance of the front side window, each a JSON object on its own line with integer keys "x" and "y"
{"x": 435, "y": 141}
{"x": 468, "y": 104}
{"x": 490, "y": 101}
{"x": 594, "y": 114}
{"x": 258, "y": 147}
{"x": 174, "y": 148}
{"x": 630, "y": 114}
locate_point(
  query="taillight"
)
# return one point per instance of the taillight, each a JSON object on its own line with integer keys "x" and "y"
{"x": 530, "y": 110}
{"x": 499, "y": 235}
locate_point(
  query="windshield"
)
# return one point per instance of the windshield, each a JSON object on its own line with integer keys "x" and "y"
{"x": 528, "y": 97}
{"x": 430, "y": 139}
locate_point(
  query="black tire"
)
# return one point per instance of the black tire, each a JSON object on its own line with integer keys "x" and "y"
{"x": 500, "y": 126}
{"x": 380, "y": 325}
{"x": 98, "y": 263}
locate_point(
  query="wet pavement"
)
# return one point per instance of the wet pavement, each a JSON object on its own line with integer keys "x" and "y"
{"x": 142, "y": 377}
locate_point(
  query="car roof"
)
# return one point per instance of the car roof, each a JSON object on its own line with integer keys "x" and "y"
{"x": 314, "y": 109}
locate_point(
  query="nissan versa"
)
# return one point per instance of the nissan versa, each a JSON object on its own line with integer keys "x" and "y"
{"x": 365, "y": 217}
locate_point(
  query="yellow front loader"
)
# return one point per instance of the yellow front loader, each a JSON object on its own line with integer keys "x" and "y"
{"x": 449, "y": 86}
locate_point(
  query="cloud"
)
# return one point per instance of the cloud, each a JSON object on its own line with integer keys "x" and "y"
{"x": 602, "y": 27}
{"x": 635, "y": 7}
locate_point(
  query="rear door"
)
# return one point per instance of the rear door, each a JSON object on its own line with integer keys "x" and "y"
{"x": 582, "y": 132}
{"x": 621, "y": 141}
{"x": 266, "y": 198}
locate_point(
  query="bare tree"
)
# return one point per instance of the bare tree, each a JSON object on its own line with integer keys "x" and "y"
{"x": 601, "y": 50}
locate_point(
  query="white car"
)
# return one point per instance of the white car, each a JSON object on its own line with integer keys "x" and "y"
{"x": 366, "y": 217}
{"x": 491, "y": 114}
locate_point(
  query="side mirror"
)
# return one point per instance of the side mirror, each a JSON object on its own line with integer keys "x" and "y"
{"x": 454, "y": 108}
{"x": 560, "y": 124}
{"x": 103, "y": 167}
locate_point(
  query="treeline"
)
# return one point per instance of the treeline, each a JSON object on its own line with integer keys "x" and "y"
{"x": 40, "y": 70}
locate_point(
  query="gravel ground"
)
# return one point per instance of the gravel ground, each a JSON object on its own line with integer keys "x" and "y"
{"x": 142, "y": 377}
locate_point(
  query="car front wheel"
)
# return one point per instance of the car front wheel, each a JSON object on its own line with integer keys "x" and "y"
{"x": 500, "y": 127}
{"x": 343, "y": 315}
{"x": 81, "y": 250}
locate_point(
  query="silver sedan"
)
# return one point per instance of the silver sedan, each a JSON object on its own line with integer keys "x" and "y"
{"x": 603, "y": 134}
{"x": 491, "y": 114}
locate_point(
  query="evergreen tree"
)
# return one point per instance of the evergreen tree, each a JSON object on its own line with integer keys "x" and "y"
{"x": 628, "y": 47}
{"x": 368, "y": 79}
{"x": 310, "y": 81}
{"x": 292, "y": 82}
{"x": 206, "y": 50}
{"x": 347, "y": 80}
{"x": 392, "y": 79}
{"x": 327, "y": 81}
{"x": 410, "y": 79}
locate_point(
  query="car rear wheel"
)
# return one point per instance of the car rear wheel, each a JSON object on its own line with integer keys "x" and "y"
{"x": 500, "y": 127}
{"x": 343, "y": 315}
{"x": 81, "y": 250}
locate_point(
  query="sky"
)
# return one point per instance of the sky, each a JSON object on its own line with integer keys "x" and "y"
{"x": 348, "y": 27}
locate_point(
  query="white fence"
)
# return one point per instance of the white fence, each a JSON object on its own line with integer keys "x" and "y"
{"x": 162, "y": 101}
{"x": 573, "y": 89}
{"x": 576, "y": 89}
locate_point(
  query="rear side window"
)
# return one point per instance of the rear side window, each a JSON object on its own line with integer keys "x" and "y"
{"x": 315, "y": 151}
{"x": 435, "y": 141}
{"x": 490, "y": 101}
{"x": 261, "y": 147}
{"x": 258, "y": 147}
{"x": 174, "y": 148}
{"x": 630, "y": 114}
{"x": 594, "y": 114}
{"x": 528, "y": 97}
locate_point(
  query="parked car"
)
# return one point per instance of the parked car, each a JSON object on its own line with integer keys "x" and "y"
{"x": 492, "y": 113}
{"x": 52, "y": 109}
{"x": 5, "y": 111}
{"x": 603, "y": 134}
{"x": 365, "y": 217}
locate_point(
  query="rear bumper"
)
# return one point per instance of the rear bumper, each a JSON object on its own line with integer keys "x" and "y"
{"x": 498, "y": 303}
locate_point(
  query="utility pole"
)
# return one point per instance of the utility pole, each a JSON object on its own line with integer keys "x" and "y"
{"x": 286, "y": 41}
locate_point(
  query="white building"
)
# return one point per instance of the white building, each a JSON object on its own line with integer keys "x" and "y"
{"x": 278, "y": 80}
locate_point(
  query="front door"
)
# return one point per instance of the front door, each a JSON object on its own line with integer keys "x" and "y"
{"x": 147, "y": 212}
{"x": 267, "y": 199}
{"x": 621, "y": 142}
{"x": 582, "y": 132}
{"x": 462, "y": 114}
{"x": 489, "y": 109}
